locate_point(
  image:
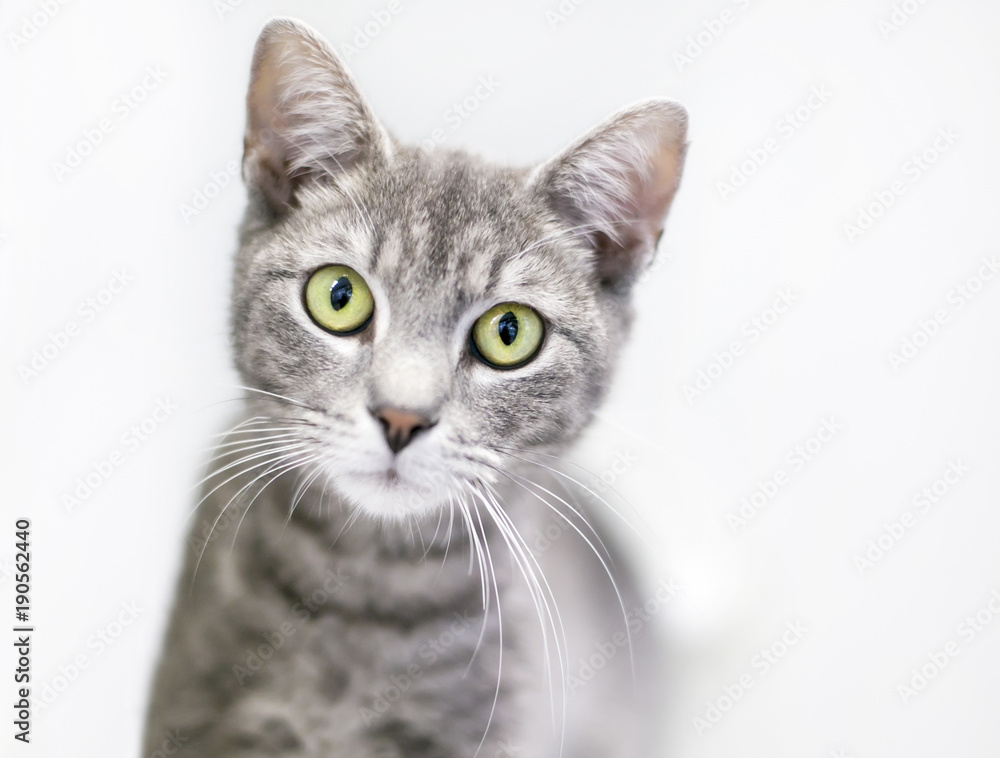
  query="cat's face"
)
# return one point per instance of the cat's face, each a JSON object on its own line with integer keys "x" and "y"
{"x": 475, "y": 311}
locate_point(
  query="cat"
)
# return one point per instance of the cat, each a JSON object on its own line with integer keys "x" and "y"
{"x": 421, "y": 335}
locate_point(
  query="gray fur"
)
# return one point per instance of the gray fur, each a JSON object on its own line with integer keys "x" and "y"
{"x": 342, "y": 564}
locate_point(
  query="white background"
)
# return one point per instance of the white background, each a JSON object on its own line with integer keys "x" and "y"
{"x": 723, "y": 260}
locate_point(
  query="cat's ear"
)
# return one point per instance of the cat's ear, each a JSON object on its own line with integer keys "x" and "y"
{"x": 306, "y": 119}
{"x": 615, "y": 185}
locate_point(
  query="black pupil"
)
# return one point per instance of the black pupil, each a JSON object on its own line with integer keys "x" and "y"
{"x": 340, "y": 293}
{"x": 508, "y": 328}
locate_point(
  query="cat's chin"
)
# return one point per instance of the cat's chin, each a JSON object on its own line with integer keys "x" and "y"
{"x": 388, "y": 495}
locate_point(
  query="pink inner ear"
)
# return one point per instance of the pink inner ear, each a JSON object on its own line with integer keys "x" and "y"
{"x": 652, "y": 199}
{"x": 620, "y": 181}
{"x": 305, "y": 116}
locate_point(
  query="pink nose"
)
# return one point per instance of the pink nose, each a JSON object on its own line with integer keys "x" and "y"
{"x": 400, "y": 426}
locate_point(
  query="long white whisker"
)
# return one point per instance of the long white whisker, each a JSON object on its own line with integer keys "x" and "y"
{"x": 437, "y": 529}
{"x": 274, "y": 395}
{"x": 488, "y": 561}
{"x": 557, "y": 472}
{"x": 254, "y": 426}
{"x": 477, "y": 551}
{"x": 549, "y": 603}
{"x": 322, "y": 495}
{"x": 496, "y": 589}
{"x": 237, "y": 475}
{"x": 607, "y": 569}
{"x": 447, "y": 538}
{"x": 575, "y": 512}
{"x": 351, "y": 519}
{"x": 532, "y": 583}
{"x": 250, "y": 444}
{"x": 420, "y": 534}
{"x": 300, "y": 492}
{"x": 246, "y": 422}
{"x": 288, "y": 467}
{"x": 249, "y": 457}
{"x": 272, "y": 464}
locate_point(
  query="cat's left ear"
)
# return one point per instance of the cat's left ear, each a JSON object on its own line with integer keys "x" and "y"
{"x": 616, "y": 184}
{"x": 306, "y": 119}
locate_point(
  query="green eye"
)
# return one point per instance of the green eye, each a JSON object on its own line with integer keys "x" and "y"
{"x": 339, "y": 300}
{"x": 507, "y": 335}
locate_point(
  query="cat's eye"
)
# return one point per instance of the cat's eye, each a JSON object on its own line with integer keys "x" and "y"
{"x": 339, "y": 300}
{"x": 507, "y": 335}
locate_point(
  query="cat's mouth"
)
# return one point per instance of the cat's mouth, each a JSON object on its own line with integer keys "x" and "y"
{"x": 424, "y": 477}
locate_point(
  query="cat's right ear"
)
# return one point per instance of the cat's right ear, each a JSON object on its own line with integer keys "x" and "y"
{"x": 306, "y": 119}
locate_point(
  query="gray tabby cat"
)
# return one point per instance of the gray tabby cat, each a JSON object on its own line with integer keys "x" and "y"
{"x": 422, "y": 335}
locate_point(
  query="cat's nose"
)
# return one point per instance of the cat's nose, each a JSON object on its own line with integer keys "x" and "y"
{"x": 401, "y": 426}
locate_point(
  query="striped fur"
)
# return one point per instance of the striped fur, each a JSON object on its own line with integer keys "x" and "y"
{"x": 327, "y": 607}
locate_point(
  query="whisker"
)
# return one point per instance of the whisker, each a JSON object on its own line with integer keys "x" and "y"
{"x": 496, "y": 589}
{"x": 223, "y": 484}
{"x": 607, "y": 569}
{"x": 477, "y": 552}
{"x": 273, "y": 463}
{"x": 299, "y": 493}
{"x": 488, "y": 562}
{"x": 557, "y": 472}
{"x": 420, "y": 534}
{"x": 245, "y": 422}
{"x": 289, "y": 467}
{"x": 248, "y": 444}
{"x": 437, "y": 529}
{"x": 355, "y": 515}
{"x": 544, "y": 600}
{"x": 575, "y": 512}
{"x": 276, "y": 396}
{"x": 447, "y": 538}
{"x": 253, "y": 426}
{"x": 322, "y": 495}
{"x": 249, "y": 457}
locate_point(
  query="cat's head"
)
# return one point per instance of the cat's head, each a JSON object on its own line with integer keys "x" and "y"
{"x": 430, "y": 314}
